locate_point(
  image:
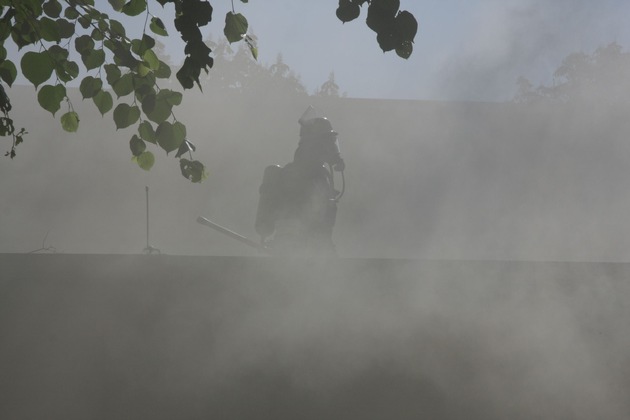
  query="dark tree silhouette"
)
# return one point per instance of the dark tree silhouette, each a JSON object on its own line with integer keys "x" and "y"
{"x": 236, "y": 72}
{"x": 329, "y": 87}
{"x": 601, "y": 77}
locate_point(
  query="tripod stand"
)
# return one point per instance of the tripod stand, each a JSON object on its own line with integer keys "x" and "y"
{"x": 149, "y": 249}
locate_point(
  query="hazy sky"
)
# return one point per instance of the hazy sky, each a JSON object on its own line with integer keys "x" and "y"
{"x": 464, "y": 49}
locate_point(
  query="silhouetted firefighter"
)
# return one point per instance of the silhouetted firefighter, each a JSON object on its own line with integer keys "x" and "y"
{"x": 297, "y": 207}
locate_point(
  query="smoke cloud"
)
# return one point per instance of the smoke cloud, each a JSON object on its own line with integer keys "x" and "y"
{"x": 506, "y": 40}
{"x": 197, "y": 337}
{"x": 483, "y": 254}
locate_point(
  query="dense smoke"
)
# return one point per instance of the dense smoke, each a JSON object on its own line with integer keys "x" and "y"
{"x": 483, "y": 254}
{"x": 198, "y": 337}
{"x": 524, "y": 38}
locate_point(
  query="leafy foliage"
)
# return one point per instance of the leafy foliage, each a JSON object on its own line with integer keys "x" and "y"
{"x": 70, "y": 121}
{"x": 598, "y": 77}
{"x": 52, "y": 34}
{"x": 395, "y": 29}
{"x": 6, "y": 123}
{"x": 236, "y": 71}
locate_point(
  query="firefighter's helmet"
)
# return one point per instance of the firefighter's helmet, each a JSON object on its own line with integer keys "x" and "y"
{"x": 317, "y": 127}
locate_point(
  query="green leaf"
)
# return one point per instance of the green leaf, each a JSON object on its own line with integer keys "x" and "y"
{"x": 136, "y": 145}
{"x": 124, "y": 85}
{"x": 5, "y": 29}
{"x": 113, "y": 73}
{"x": 8, "y": 72}
{"x": 135, "y": 7}
{"x": 145, "y": 129}
{"x": 188, "y": 74}
{"x": 85, "y": 21}
{"x": 170, "y": 136}
{"x": 143, "y": 91}
{"x": 92, "y": 13}
{"x": 146, "y": 160}
{"x": 156, "y": 111}
{"x": 158, "y": 107}
{"x": 97, "y": 35}
{"x": 66, "y": 29}
{"x": 49, "y": 30}
{"x": 163, "y": 71}
{"x": 52, "y": 8}
{"x": 23, "y": 34}
{"x": 389, "y": 7}
{"x": 6, "y": 126}
{"x": 125, "y": 115}
{"x": 103, "y": 101}
{"x": 103, "y": 26}
{"x": 199, "y": 54}
{"x": 406, "y": 26}
{"x": 117, "y": 28}
{"x": 251, "y": 43}
{"x": 143, "y": 70}
{"x": 117, "y": 5}
{"x": 193, "y": 170}
{"x": 144, "y": 85}
{"x": 139, "y": 46}
{"x": 83, "y": 44}
{"x": 151, "y": 60}
{"x": 185, "y": 147}
{"x": 348, "y": 11}
{"x": 254, "y": 51}
{"x": 58, "y": 53}
{"x": 3, "y": 53}
{"x": 90, "y": 86}
{"x": 387, "y": 41}
{"x": 170, "y": 97}
{"x": 35, "y": 6}
{"x": 67, "y": 70}
{"x": 186, "y": 26}
{"x": 50, "y": 97}
{"x": 70, "y": 121}
{"x": 381, "y": 15}
{"x": 235, "y": 27}
{"x": 157, "y": 27}
{"x": 36, "y": 67}
{"x": 179, "y": 130}
{"x": 405, "y": 49}
{"x": 122, "y": 53}
{"x": 71, "y": 13}
{"x": 93, "y": 59}
{"x": 197, "y": 12}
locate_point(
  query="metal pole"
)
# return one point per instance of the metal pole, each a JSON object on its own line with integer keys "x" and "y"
{"x": 147, "y": 194}
{"x": 149, "y": 249}
{"x": 231, "y": 234}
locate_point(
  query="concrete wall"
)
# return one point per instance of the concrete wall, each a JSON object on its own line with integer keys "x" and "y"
{"x": 166, "y": 337}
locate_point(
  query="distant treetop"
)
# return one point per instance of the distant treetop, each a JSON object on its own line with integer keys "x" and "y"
{"x": 601, "y": 76}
